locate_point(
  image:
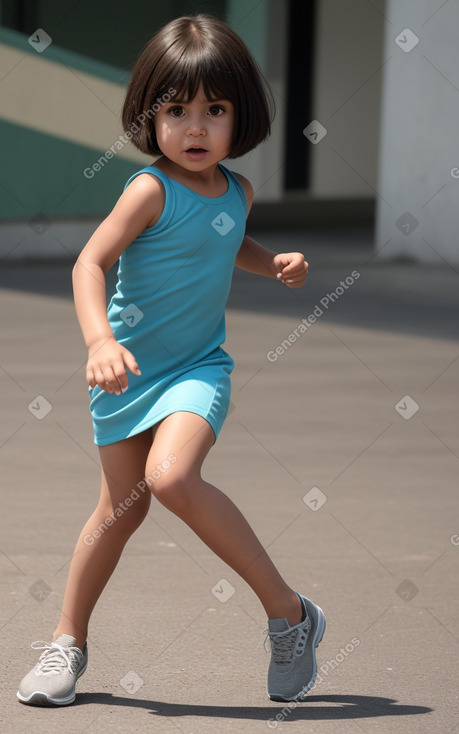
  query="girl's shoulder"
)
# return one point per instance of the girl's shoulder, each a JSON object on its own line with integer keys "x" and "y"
{"x": 248, "y": 189}
{"x": 145, "y": 187}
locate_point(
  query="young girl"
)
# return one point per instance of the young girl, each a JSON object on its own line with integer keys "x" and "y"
{"x": 159, "y": 379}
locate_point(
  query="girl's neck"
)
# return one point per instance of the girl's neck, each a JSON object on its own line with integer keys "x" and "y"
{"x": 210, "y": 182}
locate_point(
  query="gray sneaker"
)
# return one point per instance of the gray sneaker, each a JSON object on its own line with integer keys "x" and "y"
{"x": 52, "y": 681}
{"x": 293, "y": 667}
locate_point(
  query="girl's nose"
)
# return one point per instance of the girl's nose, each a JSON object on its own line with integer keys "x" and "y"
{"x": 196, "y": 127}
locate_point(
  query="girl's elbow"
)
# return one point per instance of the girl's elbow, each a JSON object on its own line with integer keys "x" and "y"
{"x": 85, "y": 265}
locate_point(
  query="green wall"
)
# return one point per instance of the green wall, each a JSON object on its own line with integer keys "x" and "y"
{"x": 44, "y": 174}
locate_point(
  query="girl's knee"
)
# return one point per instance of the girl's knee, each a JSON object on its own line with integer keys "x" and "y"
{"x": 129, "y": 513}
{"x": 175, "y": 492}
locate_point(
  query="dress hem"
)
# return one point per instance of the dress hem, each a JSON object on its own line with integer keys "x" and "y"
{"x": 197, "y": 410}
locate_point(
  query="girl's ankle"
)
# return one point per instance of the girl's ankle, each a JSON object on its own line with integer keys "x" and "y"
{"x": 291, "y": 610}
{"x": 79, "y": 639}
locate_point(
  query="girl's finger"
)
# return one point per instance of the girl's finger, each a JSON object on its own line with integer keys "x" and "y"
{"x": 293, "y": 278}
{"x": 104, "y": 380}
{"x": 121, "y": 376}
{"x": 90, "y": 378}
{"x": 295, "y": 261}
{"x": 295, "y": 282}
{"x": 131, "y": 362}
{"x": 112, "y": 384}
{"x": 98, "y": 377}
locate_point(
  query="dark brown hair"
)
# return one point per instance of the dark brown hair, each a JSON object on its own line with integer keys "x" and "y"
{"x": 188, "y": 52}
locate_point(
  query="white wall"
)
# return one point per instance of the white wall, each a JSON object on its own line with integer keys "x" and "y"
{"x": 419, "y": 140}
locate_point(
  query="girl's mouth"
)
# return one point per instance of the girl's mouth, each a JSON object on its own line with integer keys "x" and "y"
{"x": 196, "y": 154}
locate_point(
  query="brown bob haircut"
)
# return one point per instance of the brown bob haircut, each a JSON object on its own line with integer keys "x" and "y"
{"x": 188, "y": 52}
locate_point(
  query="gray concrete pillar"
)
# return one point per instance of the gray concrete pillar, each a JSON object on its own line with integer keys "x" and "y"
{"x": 418, "y": 185}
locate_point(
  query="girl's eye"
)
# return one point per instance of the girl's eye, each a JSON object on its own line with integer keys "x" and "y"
{"x": 216, "y": 110}
{"x": 176, "y": 111}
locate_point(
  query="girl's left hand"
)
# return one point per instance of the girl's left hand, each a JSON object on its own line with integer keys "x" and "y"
{"x": 290, "y": 268}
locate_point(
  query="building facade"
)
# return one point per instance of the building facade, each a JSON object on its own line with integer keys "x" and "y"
{"x": 353, "y": 104}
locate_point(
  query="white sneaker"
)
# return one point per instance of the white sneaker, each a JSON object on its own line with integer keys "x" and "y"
{"x": 52, "y": 681}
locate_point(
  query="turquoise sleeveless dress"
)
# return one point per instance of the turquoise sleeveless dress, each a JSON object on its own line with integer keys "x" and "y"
{"x": 169, "y": 311}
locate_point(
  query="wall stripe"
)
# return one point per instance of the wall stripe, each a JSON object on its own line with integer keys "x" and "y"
{"x": 20, "y": 42}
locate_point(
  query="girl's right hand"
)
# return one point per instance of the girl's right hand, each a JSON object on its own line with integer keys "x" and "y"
{"x": 106, "y": 367}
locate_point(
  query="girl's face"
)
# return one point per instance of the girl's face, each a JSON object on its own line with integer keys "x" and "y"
{"x": 196, "y": 134}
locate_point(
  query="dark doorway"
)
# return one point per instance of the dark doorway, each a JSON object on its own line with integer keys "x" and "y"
{"x": 300, "y": 66}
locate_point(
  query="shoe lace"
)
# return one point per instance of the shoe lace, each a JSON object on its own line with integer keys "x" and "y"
{"x": 55, "y": 658}
{"x": 287, "y": 644}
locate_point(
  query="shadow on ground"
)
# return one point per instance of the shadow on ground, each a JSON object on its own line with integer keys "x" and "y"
{"x": 339, "y": 707}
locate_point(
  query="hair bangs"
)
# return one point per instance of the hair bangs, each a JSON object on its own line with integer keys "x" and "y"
{"x": 201, "y": 70}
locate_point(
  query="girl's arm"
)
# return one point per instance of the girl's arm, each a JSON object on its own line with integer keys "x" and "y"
{"x": 138, "y": 207}
{"x": 288, "y": 267}
{"x": 255, "y": 258}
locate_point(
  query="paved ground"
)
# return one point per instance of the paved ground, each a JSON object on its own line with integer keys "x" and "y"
{"x": 375, "y": 543}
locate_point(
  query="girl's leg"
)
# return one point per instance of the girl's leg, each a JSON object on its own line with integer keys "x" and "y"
{"x": 211, "y": 514}
{"x": 104, "y": 536}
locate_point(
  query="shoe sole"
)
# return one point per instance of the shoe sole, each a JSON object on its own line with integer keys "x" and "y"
{"x": 320, "y": 625}
{"x": 38, "y": 698}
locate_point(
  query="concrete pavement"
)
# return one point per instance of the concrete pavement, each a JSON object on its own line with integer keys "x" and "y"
{"x": 341, "y": 448}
